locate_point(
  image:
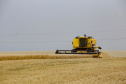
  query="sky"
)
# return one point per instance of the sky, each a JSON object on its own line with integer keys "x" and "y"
{"x": 35, "y": 25}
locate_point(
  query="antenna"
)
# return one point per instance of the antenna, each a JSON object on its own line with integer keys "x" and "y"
{"x": 84, "y": 35}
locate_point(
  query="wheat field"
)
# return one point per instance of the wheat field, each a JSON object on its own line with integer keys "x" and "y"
{"x": 60, "y": 69}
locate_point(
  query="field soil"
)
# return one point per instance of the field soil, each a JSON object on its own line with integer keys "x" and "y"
{"x": 111, "y": 69}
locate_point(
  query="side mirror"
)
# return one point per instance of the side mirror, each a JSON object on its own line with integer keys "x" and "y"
{"x": 100, "y": 48}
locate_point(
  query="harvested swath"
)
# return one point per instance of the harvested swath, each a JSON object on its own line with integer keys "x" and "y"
{"x": 33, "y": 56}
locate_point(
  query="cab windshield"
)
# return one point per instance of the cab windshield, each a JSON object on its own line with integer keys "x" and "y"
{"x": 82, "y": 42}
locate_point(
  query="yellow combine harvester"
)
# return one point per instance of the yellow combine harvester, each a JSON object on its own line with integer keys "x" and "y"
{"x": 83, "y": 45}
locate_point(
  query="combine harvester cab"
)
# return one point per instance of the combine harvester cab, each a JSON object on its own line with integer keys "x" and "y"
{"x": 83, "y": 45}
